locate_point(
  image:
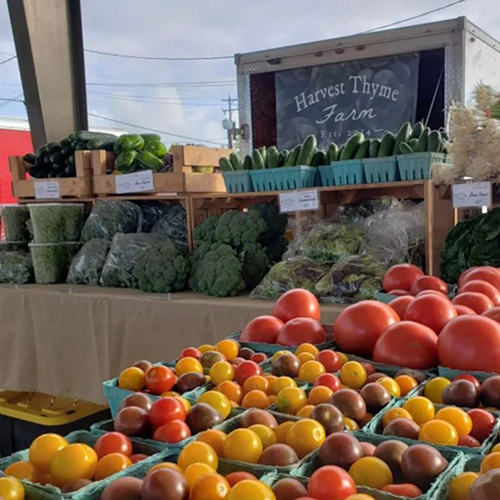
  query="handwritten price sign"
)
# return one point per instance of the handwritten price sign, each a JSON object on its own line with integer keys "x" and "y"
{"x": 474, "y": 194}
{"x": 135, "y": 183}
{"x": 299, "y": 201}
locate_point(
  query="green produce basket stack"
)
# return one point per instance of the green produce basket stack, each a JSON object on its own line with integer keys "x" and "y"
{"x": 381, "y": 169}
{"x": 15, "y": 219}
{"x": 263, "y": 180}
{"x": 417, "y": 166}
{"x": 342, "y": 173}
{"x": 238, "y": 181}
{"x": 297, "y": 177}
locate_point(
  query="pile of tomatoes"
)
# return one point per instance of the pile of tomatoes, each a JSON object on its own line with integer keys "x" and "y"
{"x": 11, "y": 488}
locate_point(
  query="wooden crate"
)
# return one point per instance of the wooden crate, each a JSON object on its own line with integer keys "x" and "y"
{"x": 80, "y": 186}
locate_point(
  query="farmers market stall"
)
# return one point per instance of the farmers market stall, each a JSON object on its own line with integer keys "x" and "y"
{"x": 69, "y": 339}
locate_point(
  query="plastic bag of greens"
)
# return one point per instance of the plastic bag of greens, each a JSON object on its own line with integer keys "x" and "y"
{"x": 86, "y": 267}
{"x": 351, "y": 279}
{"x": 51, "y": 261}
{"x": 16, "y": 268}
{"x": 126, "y": 251}
{"x": 110, "y": 217}
{"x": 14, "y": 219}
{"x": 151, "y": 211}
{"x": 56, "y": 222}
{"x": 173, "y": 224}
{"x": 288, "y": 274}
{"x": 365, "y": 208}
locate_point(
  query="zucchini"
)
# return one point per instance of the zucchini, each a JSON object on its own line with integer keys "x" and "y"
{"x": 30, "y": 158}
{"x": 422, "y": 141}
{"x": 258, "y": 161}
{"x": 85, "y": 136}
{"x": 294, "y": 155}
{"x": 67, "y": 151}
{"x": 235, "y": 161}
{"x": 52, "y": 147}
{"x": 363, "y": 150}
{"x": 65, "y": 142}
{"x": 47, "y": 160}
{"x": 248, "y": 163}
{"x": 42, "y": 151}
{"x": 70, "y": 171}
{"x": 96, "y": 144}
{"x": 272, "y": 157}
{"x": 374, "y": 147}
{"x": 57, "y": 158}
{"x": 434, "y": 142}
{"x": 319, "y": 159}
{"x": 386, "y": 145}
{"x": 82, "y": 146}
{"x": 307, "y": 152}
{"x": 71, "y": 160}
{"x": 405, "y": 149}
{"x": 417, "y": 130}
{"x": 351, "y": 146}
{"x": 403, "y": 135}
{"x": 333, "y": 152}
{"x": 413, "y": 144}
{"x": 225, "y": 165}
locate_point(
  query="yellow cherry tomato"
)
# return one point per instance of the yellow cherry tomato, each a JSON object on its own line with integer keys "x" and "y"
{"x": 353, "y": 375}
{"x": 360, "y": 496}
{"x": 319, "y": 394}
{"x": 198, "y": 452}
{"x": 22, "y": 471}
{"x": 495, "y": 448}
{"x": 75, "y": 461}
{"x": 218, "y": 401}
{"x": 391, "y": 385}
{"x": 305, "y": 411}
{"x": 421, "y": 409}
{"x": 350, "y": 424}
{"x": 250, "y": 490}
{"x": 281, "y": 383}
{"x": 187, "y": 365}
{"x": 255, "y": 399}
{"x": 291, "y": 400}
{"x": 306, "y": 347}
{"x": 311, "y": 370}
{"x": 277, "y": 354}
{"x": 215, "y": 438}
{"x": 266, "y": 434}
{"x": 206, "y": 347}
{"x": 231, "y": 390}
{"x": 221, "y": 371}
{"x": 184, "y": 402}
{"x": 165, "y": 465}
{"x": 210, "y": 487}
{"x": 228, "y": 347}
{"x": 433, "y": 389}
{"x": 270, "y": 381}
{"x": 255, "y": 382}
{"x": 111, "y": 464}
{"x": 195, "y": 471}
{"x": 170, "y": 394}
{"x": 43, "y": 450}
{"x": 11, "y": 488}
{"x": 438, "y": 432}
{"x": 490, "y": 462}
{"x": 304, "y": 357}
{"x": 282, "y": 431}
{"x": 456, "y": 417}
{"x": 406, "y": 384}
{"x": 244, "y": 445}
{"x": 132, "y": 379}
{"x": 305, "y": 436}
{"x": 343, "y": 358}
{"x": 371, "y": 472}
{"x": 394, "y": 413}
{"x": 460, "y": 486}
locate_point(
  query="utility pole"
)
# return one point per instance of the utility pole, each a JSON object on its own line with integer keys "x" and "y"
{"x": 230, "y": 111}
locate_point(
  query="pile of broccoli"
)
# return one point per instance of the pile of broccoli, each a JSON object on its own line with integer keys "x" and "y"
{"x": 234, "y": 251}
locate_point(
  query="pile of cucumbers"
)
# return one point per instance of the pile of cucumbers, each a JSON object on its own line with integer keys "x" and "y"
{"x": 57, "y": 159}
{"x": 139, "y": 152}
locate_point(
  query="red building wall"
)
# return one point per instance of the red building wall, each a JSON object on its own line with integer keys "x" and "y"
{"x": 12, "y": 143}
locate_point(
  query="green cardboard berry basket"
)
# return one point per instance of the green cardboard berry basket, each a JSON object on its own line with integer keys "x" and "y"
{"x": 417, "y": 166}
{"x": 342, "y": 173}
{"x": 297, "y": 177}
{"x": 381, "y": 169}
{"x": 238, "y": 181}
{"x": 450, "y": 373}
{"x": 263, "y": 180}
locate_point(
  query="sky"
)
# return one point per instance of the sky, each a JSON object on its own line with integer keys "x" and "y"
{"x": 197, "y": 28}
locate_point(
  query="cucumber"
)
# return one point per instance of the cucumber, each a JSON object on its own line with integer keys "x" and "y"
{"x": 258, "y": 161}
{"x": 434, "y": 143}
{"x": 422, "y": 141}
{"x": 235, "y": 162}
{"x": 294, "y": 155}
{"x": 445, "y": 136}
{"x": 284, "y": 156}
{"x": 374, "y": 147}
{"x": 225, "y": 165}
{"x": 96, "y": 144}
{"x": 351, "y": 146}
{"x": 403, "y": 135}
{"x": 417, "y": 130}
{"x": 57, "y": 158}
{"x": 333, "y": 152}
{"x": 405, "y": 149}
{"x": 85, "y": 136}
{"x": 413, "y": 144}
{"x": 386, "y": 145}
{"x": 248, "y": 163}
{"x": 30, "y": 158}
{"x": 272, "y": 157}
{"x": 263, "y": 153}
{"x": 319, "y": 159}
{"x": 307, "y": 152}
{"x": 67, "y": 151}
{"x": 341, "y": 150}
{"x": 363, "y": 150}
{"x": 52, "y": 147}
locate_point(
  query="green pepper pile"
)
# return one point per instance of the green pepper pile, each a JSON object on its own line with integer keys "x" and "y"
{"x": 139, "y": 152}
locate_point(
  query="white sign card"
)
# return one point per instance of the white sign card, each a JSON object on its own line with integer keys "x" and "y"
{"x": 474, "y": 194}
{"x": 47, "y": 190}
{"x": 299, "y": 201}
{"x": 137, "y": 182}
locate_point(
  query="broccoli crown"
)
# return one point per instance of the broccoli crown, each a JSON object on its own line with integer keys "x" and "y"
{"x": 205, "y": 232}
{"x": 162, "y": 269}
{"x": 219, "y": 273}
{"x": 237, "y": 228}
{"x": 255, "y": 263}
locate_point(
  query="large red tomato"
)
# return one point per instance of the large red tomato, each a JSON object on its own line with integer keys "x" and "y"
{"x": 113, "y": 442}
{"x": 331, "y": 483}
{"x": 483, "y": 287}
{"x": 301, "y": 330}
{"x": 470, "y": 343}
{"x": 493, "y": 313}
{"x": 262, "y": 329}
{"x": 479, "y": 302}
{"x": 401, "y": 277}
{"x": 485, "y": 273}
{"x": 399, "y": 293}
{"x": 165, "y": 410}
{"x": 160, "y": 379}
{"x": 428, "y": 283}
{"x": 358, "y": 327}
{"x": 463, "y": 276}
{"x": 407, "y": 344}
{"x": 463, "y": 310}
{"x": 431, "y": 310}
{"x": 400, "y": 304}
{"x": 297, "y": 303}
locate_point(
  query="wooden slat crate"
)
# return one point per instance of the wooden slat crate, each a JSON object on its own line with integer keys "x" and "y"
{"x": 80, "y": 186}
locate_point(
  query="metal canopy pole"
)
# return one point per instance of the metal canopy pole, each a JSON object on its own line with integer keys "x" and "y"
{"x": 49, "y": 45}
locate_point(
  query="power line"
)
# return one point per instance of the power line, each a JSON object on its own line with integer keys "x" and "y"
{"x": 153, "y": 101}
{"x": 152, "y": 58}
{"x": 156, "y": 97}
{"x": 5, "y": 61}
{"x": 152, "y": 129}
{"x": 10, "y": 101}
{"x": 215, "y": 83}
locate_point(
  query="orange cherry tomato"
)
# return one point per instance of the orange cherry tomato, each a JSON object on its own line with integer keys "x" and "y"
{"x": 187, "y": 365}
{"x": 244, "y": 445}
{"x": 165, "y": 465}
{"x": 198, "y": 452}
{"x": 111, "y": 464}
{"x": 305, "y": 411}
{"x": 195, "y": 471}
{"x": 421, "y": 409}
{"x": 231, "y": 390}
{"x": 75, "y": 461}
{"x": 281, "y": 383}
{"x": 215, "y": 439}
{"x": 406, "y": 384}
{"x": 132, "y": 379}
{"x": 394, "y": 413}
{"x": 11, "y": 488}
{"x": 460, "y": 486}
{"x": 308, "y": 348}
{"x": 255, "y": 399}
{"x": 249, "y": 489}
{"x": 490, "y": 462}
{"x": 282, "y": 431}
{"x": 371, "y": 472}
{"x": 291, "y": 400}
{"x": 228, "y": 347}
{"x": 256, "y": 382}
{"x": 210, "y": 487}
{"x": 43, "y": 450}
{"x": 23, "y": 471}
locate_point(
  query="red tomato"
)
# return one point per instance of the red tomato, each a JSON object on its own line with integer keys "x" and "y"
{"x": 493, "y": 313}
{"x": 401, "y": 277}
{"x": 172, "y": 432}
{"x": 330, "y": 360}
{"x": 258, "y": 357}
{"x": 329, "y": 380}
{"x": 165, "y": 410}
{"x": 400, "y": 304}
{"x": 399, "y": 293}
{"x": 484, "y": 287}
{"x": 403, "y": 490}
{"x": 262, "y": 329}
{"x": 431, "y": 310}
{"x": 245, "y": 370}
{"x": 464, "y": 310}
{"x": 358, "y": 326}
{"x": 138, "y": 457}
{"x": 470, "y": 343}
{"x": 113, "y": 442}
{"x": 463, "y": 276}
{"x": 407, "y": 344}
{"x": 470, "y": 378}
{"x": 482, "y": 423}
{"x": 297, "y": 303}
{"x": 428, "y": 283}
{"x": 300, "y": 331}
{"x": 236, "y": 477}
{"x": 331, "y": 483}
{"x": 190, "y": 352}
{"x": 479, "y": 302}
{"x": 485, "y": 273}
{"x": 160, "y": 379}
{"x": 468, "y": 441}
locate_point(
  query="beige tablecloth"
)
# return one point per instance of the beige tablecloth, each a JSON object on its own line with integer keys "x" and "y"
{"x": 66, "y": 340}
